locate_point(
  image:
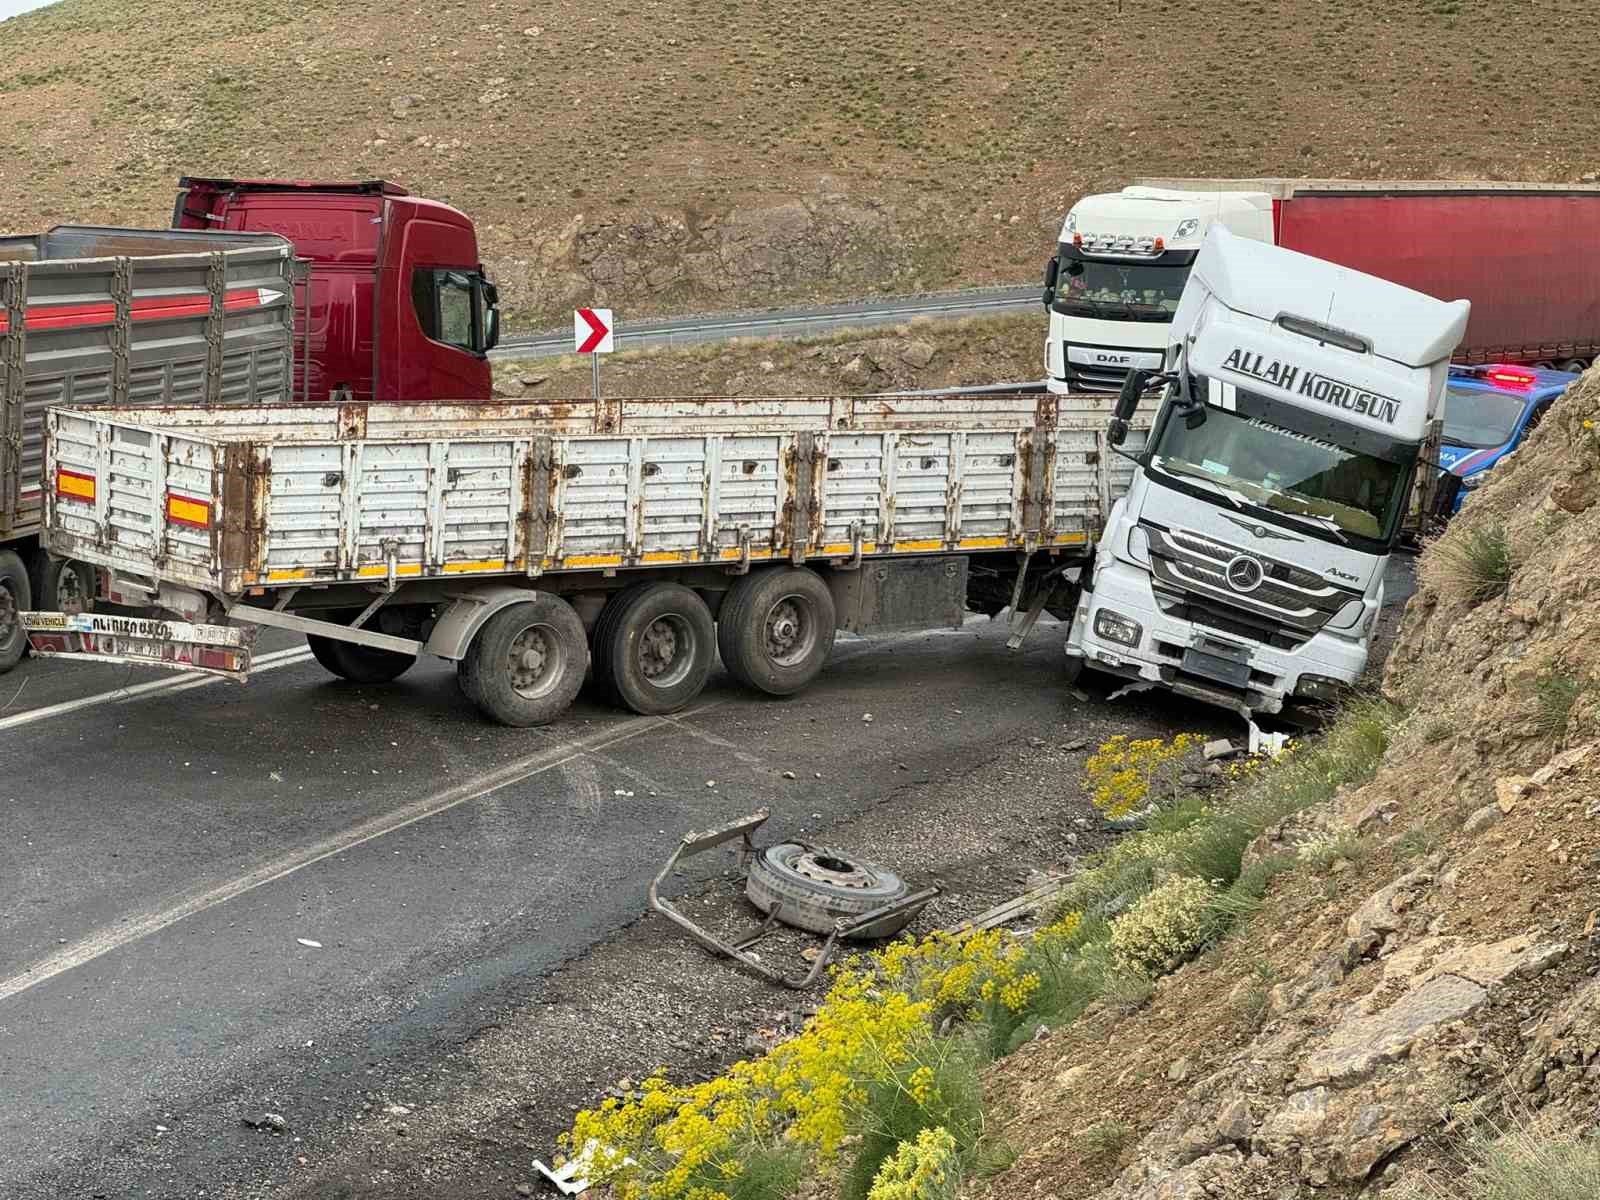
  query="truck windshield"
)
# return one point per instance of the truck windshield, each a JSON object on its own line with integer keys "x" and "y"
{"x": 1119, "y": 291}
{"x": 1253, "y": 463}
{"x": 1477, "y": 418}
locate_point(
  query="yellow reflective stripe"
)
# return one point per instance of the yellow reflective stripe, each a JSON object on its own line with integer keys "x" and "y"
{"x": 382, "y": 570}
{"x": 487, "y": 564}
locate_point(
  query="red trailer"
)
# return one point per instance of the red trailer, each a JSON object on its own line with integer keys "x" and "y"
{"x": 1526, "y": 254}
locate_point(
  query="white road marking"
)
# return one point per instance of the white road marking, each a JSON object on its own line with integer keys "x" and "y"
{"x": 177, "y": 683}
{"x": 139, "y": 926}
{"x": 134, "y": 928}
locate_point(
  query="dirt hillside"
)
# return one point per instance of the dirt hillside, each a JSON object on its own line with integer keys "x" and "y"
{"x": 923, "y": 354}
{"x": 1439, "y": 979}
{"x": 708, "y": 154}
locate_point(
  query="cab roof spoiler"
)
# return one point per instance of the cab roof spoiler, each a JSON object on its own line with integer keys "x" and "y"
{"x": 1301, "y": 293}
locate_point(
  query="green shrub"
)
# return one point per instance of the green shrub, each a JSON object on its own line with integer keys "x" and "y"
{"x": 1415, "y": 842}
{"x": 1323, "y": 852}
{"x": 937, "y": 1087}
{"x": 926, "y": 1168}
{"x": 1470, "y": 564}
{"x": 1104, "y": 1139}
{"x": 1554, "y": 693}
{"x": 1256, "y": 1000}
{"x": 1166, "y": 927}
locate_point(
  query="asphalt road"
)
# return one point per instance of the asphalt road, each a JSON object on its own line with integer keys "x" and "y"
{"x": 170, "y": 856}
{"x": 792, "y": 322}
{"x": 221, "y": 901}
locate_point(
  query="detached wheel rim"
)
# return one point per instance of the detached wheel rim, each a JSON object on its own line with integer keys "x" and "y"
{"x": 536, "y": 661}
{"x": 827, "y": 866}
{"x": 790, "y": 631}
{"x": 667, "y": 651}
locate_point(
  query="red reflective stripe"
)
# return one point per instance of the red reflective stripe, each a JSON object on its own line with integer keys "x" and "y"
{"x": 155, "y": 308}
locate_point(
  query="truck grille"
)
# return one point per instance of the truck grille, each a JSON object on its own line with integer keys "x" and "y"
{"x": 1094, "y": 379}
{"x": 1285, "y": 610}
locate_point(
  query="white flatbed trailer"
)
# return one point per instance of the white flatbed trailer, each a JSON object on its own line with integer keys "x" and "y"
{"x": 519, "y": 540}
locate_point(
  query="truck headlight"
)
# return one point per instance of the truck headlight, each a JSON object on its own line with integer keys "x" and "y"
{"x": 1319, "y": 687}
{"x": 1115, "y": 627}
{"x": 1476, "y": 480}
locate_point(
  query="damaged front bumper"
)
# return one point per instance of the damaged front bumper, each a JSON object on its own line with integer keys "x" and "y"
{"x": 1119, "y": 630}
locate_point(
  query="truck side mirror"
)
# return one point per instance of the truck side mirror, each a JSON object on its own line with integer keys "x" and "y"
{"x": 1116, "y": 431}
{"x": 1052, "y": 271}
{"x": 491, "y": 334}
{"x": 1133, "y": 389}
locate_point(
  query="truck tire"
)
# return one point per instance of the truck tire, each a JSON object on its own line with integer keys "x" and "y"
{"x": 600, "y": 639}
{"x": 61, "y": 584}
{"x": 16, "y": 596}
{"x": 811, "y": 888}
{"x": 656, "y": 649}
{"x": 527, "y": 663}
{"x": 359, "y": 664}
{"x": 776, "y": 629}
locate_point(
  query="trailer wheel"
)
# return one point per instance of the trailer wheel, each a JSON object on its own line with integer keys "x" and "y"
{"x": 61, "y": 584}
{"x": 811, "y": 888}
{"x": 776, "y": 629}
{"x": 527, "y": 662}
{"x": 359, "y": 664}
{"x": 600, "y": 638}
{"x": 1576, "y": 365}
{"x": 655, "y": 651}
{"x": 16, "y": 596}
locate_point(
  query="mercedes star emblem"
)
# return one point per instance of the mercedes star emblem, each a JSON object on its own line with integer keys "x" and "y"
{"x": 1244, "y": 574}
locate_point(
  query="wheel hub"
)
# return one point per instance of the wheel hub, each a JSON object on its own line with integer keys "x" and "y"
{"x": 829, "y": 866}
{"x": 528, "y": 654}
{"x": 658, "y": 648}
{"x": 8, "y": 614}
{"x": 783, "y": 628}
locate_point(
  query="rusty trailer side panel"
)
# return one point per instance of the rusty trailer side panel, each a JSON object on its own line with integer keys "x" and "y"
{"x": 98, "y": 316}
{"x": 227, "y": 499}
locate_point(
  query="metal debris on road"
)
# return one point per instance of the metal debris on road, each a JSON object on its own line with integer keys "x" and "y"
{"x": 571, "y": 1178}
{"x": 309, "y": 942}
{"x": 796, "y": 897}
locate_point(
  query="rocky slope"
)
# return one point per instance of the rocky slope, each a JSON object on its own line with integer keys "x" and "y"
{"x": 1443, "y": 980}
{"x": 700, "y": 155}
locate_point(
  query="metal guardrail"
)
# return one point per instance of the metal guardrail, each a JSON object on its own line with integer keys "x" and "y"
{"x": 783, "y": 323}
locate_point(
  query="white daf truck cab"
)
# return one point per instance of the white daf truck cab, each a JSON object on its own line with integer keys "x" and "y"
{"x": 1118, "y": 272}
{"x": 1244, "y": 566}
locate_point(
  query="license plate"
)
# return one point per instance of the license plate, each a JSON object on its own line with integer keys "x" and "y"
{"x": 177, "y": 645}
{"x": 1218, "y": 669}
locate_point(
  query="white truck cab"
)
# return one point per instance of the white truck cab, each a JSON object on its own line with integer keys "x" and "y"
{"x": 1244, "y": 566}
{"x": 1118, "y": 272}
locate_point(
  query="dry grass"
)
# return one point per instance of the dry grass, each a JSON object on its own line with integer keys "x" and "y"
{"x": 1521, "y": 1163}
{"x": 1470, "y": 564}
{"x": 975, "y": 131}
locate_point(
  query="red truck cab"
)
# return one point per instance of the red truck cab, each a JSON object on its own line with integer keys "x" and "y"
{"x": 400, "y": 307}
